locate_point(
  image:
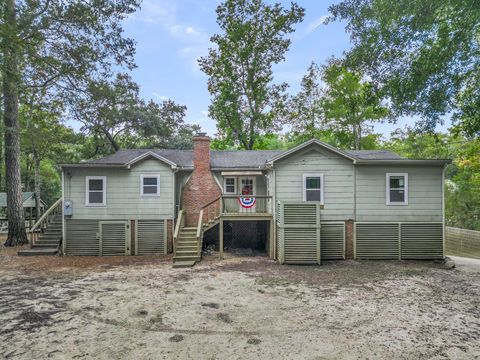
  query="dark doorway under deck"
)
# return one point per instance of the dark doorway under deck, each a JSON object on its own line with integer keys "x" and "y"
{"x": 242, "y": 237}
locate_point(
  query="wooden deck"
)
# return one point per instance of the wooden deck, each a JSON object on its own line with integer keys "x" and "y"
{"x": 246, "y": 216}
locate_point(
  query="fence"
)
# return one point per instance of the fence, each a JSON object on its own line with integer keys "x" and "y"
{"x": 462, "y": 242}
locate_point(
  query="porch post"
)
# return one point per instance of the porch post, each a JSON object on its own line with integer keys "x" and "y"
{"x": 272, "y": 240}
{"x": 221, "y": 238}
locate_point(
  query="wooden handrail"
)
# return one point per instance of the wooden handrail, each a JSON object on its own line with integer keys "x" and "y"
{"x": 33, "y": 232}
{"x": 211, "y": 202}
{"x": 45, "y": 215}
{"x": 199, "y": 233}
{"x": 200, "y": 224}
{"x": 178, "y": 225}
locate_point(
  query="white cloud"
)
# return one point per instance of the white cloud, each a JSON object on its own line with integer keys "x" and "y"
{"x": 154, "y": 13}
{"x": 204, "y": 112}
{"x": 160, "y": 97}
{"x": 315, "y": 24}
{"x": 188, "y": 33}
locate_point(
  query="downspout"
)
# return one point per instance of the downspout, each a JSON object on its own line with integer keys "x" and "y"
{"x": 354, "y": 192}
{"x": 174, "y": 176}
{"x": 274, "y": 212}
{"x": 64, "y": 238}
{"x": 443, "y": 210}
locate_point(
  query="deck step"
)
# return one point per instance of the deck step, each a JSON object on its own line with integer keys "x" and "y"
{"x": 183, "y": 247}
{"x": 38, "y": 252}
{"x": 180, "y": 253}
{"x": 53, "y": 237}
{"x": 183, "y": 264}
{"x": 39, "y": 245}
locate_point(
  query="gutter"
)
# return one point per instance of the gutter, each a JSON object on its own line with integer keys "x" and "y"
{"x": 94, "y": 165}
{"x": 433, "y": 162}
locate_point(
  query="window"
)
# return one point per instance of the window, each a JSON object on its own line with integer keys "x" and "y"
{"x": 397, "y": 189}
{"x": 150, "y": 185}
{"x": 247, "y": 186}
{"x": 313, "y": 187}
{"x": 230, "y": 185}
{"x": 96, "y": 191}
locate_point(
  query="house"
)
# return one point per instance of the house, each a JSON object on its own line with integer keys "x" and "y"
{"x": 302, "y": 205}
{"x": 28, "y": 198}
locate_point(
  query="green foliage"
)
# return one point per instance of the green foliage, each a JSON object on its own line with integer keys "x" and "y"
{"x": 462, "y": 196}
{"x": 305, "y": 113}
{"x": 463, "y": 191}
{"x": 415, "y": 145}
{"x": 349, "y": 102}
{"x": 245, "y": 101}
{"x": 116, "y": 115}
{"x": 423, "y": 54}
{"x": 336, "y": 106}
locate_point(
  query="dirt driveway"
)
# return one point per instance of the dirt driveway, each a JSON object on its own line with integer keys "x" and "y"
{"x": 240, "y": 308}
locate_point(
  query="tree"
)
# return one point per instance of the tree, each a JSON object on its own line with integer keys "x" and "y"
{"x": 43, "y": 137}
{"x": 115, "y": 112}
{"x": 11, "y": 80}
{"x": 304, "y": 109}
{"x": 56, "y": 46}
{"x": 423, "y": 54}
{"x": 462, "y": 198}
{"x": 350, "y": 102}
{"x": 246, "y": 103}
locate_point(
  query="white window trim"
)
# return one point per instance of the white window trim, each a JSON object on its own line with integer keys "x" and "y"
{"x": 387, "y": 181}
{"x": 225, "y": 185}
{"x": 157, "y": 176}
{"x": 87, "y": 190}
{"x": 322, "y": 186}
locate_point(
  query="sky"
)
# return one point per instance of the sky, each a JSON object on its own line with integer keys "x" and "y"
{"x": 172, "y": 34}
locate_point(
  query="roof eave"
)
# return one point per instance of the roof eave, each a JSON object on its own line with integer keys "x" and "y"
{"x": 306, "y": 144}
{"x": 238, "y": 168}
{"x": 152, "y": 154}
{"x": 433, "y": 162}
{"x": 92, "y": 165}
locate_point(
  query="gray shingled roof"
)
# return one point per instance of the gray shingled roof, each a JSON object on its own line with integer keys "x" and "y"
{"x": 242, "y": 158}
{"x": 225, "y": 159}
{"x": 373, "y": 154}
{"x": 182, "y": 158}
{"x": 25, "y": 196}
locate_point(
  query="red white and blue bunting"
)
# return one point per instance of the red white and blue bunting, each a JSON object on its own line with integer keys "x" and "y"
{"x": 247, "y": 202}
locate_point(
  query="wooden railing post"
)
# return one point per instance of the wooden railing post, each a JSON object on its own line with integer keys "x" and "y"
{"x": 44, "y": 220}
{"x": 178, "y": 226}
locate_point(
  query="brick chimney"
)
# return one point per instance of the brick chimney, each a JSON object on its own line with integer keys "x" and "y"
{"x": 201, "y": 188}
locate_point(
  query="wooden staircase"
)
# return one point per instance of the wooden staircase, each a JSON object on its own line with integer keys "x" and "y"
{"x": 45, "y": 236}
{"x": 187, "y": 248}
{"x": 188, "y": 241}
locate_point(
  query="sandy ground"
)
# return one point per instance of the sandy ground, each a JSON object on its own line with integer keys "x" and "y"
{"x": 238, "y": 308}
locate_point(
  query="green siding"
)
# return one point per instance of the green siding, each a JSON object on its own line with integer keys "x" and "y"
{"x": 123, "y": 193}
{"x": 338, "y": 177}
{"x": 180, "y": 181}
{"x": 424, "y": 194}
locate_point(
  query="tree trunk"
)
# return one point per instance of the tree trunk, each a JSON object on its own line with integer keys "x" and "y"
{"x": 37, "y": 181}
{"x": 357, "y": 136}
{"x": 111, "y": 139}
{"x": 2, "y": 134}
{"x": 16, "y": 219}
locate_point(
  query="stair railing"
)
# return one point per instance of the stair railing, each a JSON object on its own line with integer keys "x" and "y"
{"x": 209, "y": 213}
{"x": 178, "y": 226}
{"x": 35, "y": 231}
{"x": 199, "y": 233}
